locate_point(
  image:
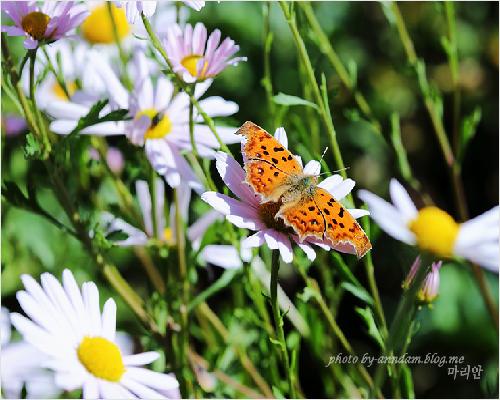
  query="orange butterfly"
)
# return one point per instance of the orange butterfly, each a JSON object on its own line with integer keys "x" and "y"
{"x": 274, "y": 173}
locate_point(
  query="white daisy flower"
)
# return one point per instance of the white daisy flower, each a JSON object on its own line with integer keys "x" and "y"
{"x": 432, "y": 229}
{"x": 160, "y": 119}
{"x": 66, "y": 324}
{"x": 21, "y": 367}
{"x": 83, "y": 84}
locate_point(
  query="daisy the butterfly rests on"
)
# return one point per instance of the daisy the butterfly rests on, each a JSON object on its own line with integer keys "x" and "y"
{"x": 276, "y": 175}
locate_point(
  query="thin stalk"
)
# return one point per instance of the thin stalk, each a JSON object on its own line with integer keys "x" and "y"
{"x": 372, "y": 283}
{"x": 38, "y": 116}
{"x": 57, "y": 75}
{"x": 121, "y": 52}
{"x": 332, "y": 56}
{"x": 184, "y": 281}
{"x": 313, "y": 285}
{"x": 226, "y": 379}
{"x": 154, "y": 202}
{"x": 452, "y": 52}
{"x": 451, "y": 161}
{"x": 126, "y": 200}
{"x": 267, "y": 81}
{"x": 178, "y": 80}
{"x": 278, "y": 322}
{"x": 402, "y": 321}
{"x": 244, "y": 359}
{"x": 320, "y": 100}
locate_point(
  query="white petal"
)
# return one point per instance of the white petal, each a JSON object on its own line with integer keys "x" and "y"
{"x": 387, "y": 217}
{"x": 141, "y": 358}
{"x": 152, "y": 379}
{"x": 280, "y": 136}
{"x": 90, "y": 389}
{"x": 401, "y": 199}
{"x": 256, "y": 240}
{"x": 343, "y": 189}
{"x": 109, "y": 320}
{"x": 225, "y": 256}
{"x": 358, "y": 212}
{"x": 331, "y": 182}
{"x": 313, "y": 168}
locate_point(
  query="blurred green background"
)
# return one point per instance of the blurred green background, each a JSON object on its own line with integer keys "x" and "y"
{"x": 457, "y": 324}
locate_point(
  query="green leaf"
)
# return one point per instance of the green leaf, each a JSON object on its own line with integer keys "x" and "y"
{"x": 469, "y": 129}
{"x": 373, "y": 331}
{"x": 287, "y": 100}
{"x": 358, "y": 291}
{"x": 116, "y": 235}
{"x": 32, "y": 149}
{"x": 352, "y": 69}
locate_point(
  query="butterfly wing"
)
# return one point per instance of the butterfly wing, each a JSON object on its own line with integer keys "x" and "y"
{"x": 340, "y": 226}
{"x": 268, "y": 164}
{"x": 304, "y": 217}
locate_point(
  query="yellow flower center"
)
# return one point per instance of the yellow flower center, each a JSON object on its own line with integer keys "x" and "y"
{"x": 167, "y": 235}
{"x": 35, "y": 24}
{"x": 435, "y": 231}
{"x": 60, "y": 93}
{"x": 160, "y": 126}
{"x": 98, "y": 27}
{"x": 101, "y": 357}
{"x": 190, "y": 62}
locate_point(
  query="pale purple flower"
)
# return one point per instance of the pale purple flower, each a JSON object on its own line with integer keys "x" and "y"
{"x": 114, "y": 158}
{"x": 249, "y": 213}
{"x": 194, "y": 57}
{"x": 13, "y": 124}
{"x": 430, "y": 286}
{"x": 411, "y": 274}
{"x": 42, "y": 24}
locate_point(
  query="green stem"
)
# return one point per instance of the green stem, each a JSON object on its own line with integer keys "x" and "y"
{"x": 452, "y": 52}
{"x": 267, "y": 81}
{"x": 184, "y": 282}
{"x": 402, "y": 320}
{"x": 372, "y": 283}
{"x": 178, "y": 80}
{"x": 320, "y": 99}
{"x": 38, "y": 116}
{"x": 278, "y": 322}
{"x": 121, "y": 52}
{"x": 327, "y": 49}
{"x": 451, "y": 161}
{"x": 313, "y": 285}
{"x": 244, "y": 359}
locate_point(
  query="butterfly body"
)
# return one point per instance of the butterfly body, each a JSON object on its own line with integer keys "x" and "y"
{"x": 277, "y": 176}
